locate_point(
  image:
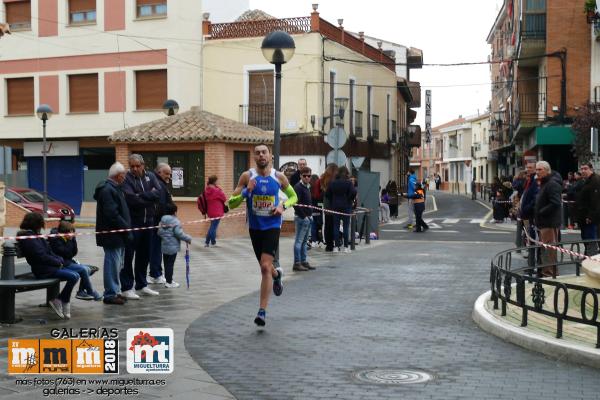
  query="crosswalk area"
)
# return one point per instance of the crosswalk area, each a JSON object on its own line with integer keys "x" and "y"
{"x": 440, "y": 223}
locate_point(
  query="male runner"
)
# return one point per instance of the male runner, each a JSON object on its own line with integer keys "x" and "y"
{"x": 260, "y": 187}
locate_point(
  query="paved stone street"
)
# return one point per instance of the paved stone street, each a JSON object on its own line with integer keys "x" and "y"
{"x": 406, "y": 305}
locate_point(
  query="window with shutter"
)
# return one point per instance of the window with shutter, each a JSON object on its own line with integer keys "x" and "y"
{"x": 82, "y": 11}
{"x": 151, "y": 8}
{"x": 261, "y": 99}
{"x": 20, "y": 96}
{"x": 150, "y": 89}
{"x": 18, "y": 15}
{"x": 83, "y": 93}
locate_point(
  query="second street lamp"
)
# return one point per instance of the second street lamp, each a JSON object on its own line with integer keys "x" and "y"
{"x": 170, "y": 107}
{"x": 44, "y": 112}
{"x": 278, "y": 48}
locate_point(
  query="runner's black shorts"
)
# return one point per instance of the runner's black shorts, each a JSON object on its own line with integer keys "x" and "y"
{"x": 266, "y": 241}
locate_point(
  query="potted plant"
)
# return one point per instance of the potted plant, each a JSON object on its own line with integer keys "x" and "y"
{"x": 590, "y": 9}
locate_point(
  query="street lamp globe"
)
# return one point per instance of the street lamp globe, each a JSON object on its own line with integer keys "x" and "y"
{"x": 170, "y": 107}
{"x": 44, "y": 112}
{"x": 278, "y": 47}
{"x": 340, "y": 104}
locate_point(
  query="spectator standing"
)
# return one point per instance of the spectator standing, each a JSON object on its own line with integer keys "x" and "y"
{"x": 411, "y": 179}
{"x": 326, "y": 179}
{"x": 163, "y": 177}
{"x": 570, "y": 197}
{"x": 438, "y": 181}
{"x": 45, "y": 264}
{"x": 66, "y": 247}
{"x": 341, "y": 194}
{"x": 142, "y": 194}
{"x": 171, "y": 235}
{"x": 303, "y": 221}
{"x": 316, "y": 234}
{"x": 112, "y": 213}
{"x": 392, "y": 190}
{"x": 384, "y": 206}
{"x": 527, "y": 201}
{"x": 419, "y": 205}
{"x": 215, "y": 202}
{"x": 296, "y": 176}
{"x": 547, "y": 213}
{"x": 587, "y": 203}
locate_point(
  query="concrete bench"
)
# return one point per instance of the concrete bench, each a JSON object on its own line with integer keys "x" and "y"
{"x": 16, "y": 277}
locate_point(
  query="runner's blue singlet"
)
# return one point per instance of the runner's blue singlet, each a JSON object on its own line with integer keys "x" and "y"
{"x": 262, "y": 200}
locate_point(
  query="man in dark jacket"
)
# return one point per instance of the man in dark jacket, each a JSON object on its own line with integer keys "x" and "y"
{"x": 296, "y": 176}
{"x": 587, "y": 204}
{"x": 163, "y": 177}
{"x": 527, "y": 202}
{"x": 303, "y": 221}
{"x": 141, "y": 194}
{"x": 112, "y": 213}
{"x": 547, "y": 213}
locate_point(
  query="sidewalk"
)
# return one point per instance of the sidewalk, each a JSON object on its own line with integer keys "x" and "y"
{"x": 218, "y": 276}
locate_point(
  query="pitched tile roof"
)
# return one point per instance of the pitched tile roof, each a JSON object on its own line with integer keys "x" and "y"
{"x": 457, "y": 121}
{"x": 193, "y": 126}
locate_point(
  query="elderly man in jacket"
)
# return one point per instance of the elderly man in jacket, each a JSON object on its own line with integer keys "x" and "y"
{"x": 587, "y": 204}
{"x": 547, "y": 213}
{"x": 112, "y": 213}
{"x": 142, "y": 194}
{"x": 527, "y": 202}
{"x": 163, "y": 177}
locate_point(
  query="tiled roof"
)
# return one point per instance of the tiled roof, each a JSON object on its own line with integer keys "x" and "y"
{"x": 193, "y": 126}
{"x": 254, "y": 15}
{"x": 457, "y": 121}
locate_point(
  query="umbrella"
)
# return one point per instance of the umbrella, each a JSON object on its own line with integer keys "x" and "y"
{"x": 187, "y": 264}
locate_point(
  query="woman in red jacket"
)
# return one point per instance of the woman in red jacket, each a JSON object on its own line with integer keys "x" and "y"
{"x": 215, "y": 202}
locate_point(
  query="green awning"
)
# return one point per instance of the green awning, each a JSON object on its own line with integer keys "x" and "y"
{"x": 554, "y": 135}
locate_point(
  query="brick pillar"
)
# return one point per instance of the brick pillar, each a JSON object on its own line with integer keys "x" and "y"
{"x": 215, "y": 160}
{"x": 122, "y": 154}
{"x": 314, "y": 20}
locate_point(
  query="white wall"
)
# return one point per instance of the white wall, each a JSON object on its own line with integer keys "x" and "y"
{"x": 383, "y": 167}
{"x": 225, "y": 11}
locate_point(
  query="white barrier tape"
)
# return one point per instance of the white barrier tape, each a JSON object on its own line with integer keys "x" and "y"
{"x": 192, "y": 222}
{"x": 560, "y": 249}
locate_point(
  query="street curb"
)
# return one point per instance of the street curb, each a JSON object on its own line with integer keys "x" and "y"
{"x": 558, "y": 349}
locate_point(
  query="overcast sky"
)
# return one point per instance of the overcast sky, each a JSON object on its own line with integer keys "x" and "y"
{"x": 447, "y": 31}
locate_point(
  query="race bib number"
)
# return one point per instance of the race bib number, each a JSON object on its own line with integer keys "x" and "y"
{"x": 262, "y": 205}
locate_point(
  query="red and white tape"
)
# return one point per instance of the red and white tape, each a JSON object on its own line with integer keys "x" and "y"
{"x": 560, "y": 249}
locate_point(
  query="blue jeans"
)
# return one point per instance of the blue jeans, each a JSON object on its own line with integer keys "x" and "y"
{"x": 84, "y": 275}
{"x": 155, "y": 254}
{"x": 336, "y": 228}
{"x": 316, "y": 226}
{"x": 590, "y": 231}
{"x": 301, "y": 240}
{"x": 138, "y": 270}
{"x": 211, "y": 235}
{"x": 71, "y": 277}
{"x": 113, "y": 262}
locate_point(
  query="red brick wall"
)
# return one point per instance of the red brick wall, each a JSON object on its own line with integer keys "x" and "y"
{"x": 15, "y": 214}
{"x": 566, "y": 27}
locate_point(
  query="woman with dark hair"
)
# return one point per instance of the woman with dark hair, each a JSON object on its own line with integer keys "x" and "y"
{"x": 45, "y": 264}
{"x": 215, "y": 204}
{"x": 316, "y": 235}
{"x": 325, "y": 180}
{"x": 341, "y": 193}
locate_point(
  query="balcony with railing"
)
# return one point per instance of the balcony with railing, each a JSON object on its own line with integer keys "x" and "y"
{"x": 259, "y": 115}
{"x": 533, "y": 30}
{"x": 375, "y": 126}
{"x": 358, "y": 124}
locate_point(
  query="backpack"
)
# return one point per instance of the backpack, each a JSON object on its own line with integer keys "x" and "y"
{"x": 202, "y": 204}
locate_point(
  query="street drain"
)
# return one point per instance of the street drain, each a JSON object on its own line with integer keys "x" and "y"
{"x": 393, "y": 376}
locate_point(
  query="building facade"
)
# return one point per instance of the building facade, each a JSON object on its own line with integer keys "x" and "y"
{"x": 374, "y": 119}
{"x": 102, "y": 65}
{"x": 541, "y": 78}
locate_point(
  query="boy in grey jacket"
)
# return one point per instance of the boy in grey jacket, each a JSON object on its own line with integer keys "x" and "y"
{"x": 171, "y": 235}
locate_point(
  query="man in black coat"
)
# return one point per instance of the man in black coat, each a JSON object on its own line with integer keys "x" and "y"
{"x": 112, "y": 213}
{"x": 587, "y": 204}
{"x": 141, "y": 194}
{"x": 296, "y": 176}
{"x": 162, "y": 173}
{"x": 548, "y": 205}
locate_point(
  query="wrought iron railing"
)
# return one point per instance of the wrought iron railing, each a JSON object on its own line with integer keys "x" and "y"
{"x": 532, "y": 107}
{"x": 518, "y": 282}
{"x": 358, "y": 123}
{"x": 259, "y": 28}
{"x": 258, "y": 115}
{"x": 534, "y": 26}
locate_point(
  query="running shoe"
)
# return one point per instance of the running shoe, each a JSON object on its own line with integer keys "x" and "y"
{"x": 261, "y": 317}
{"x": 83, "y": 295}
{"x": 277, "y": 282}
{"x": 56, "y": 306}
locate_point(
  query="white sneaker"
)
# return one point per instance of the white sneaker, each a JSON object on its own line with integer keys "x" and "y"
{"x": 336, "y": 249}
{"x": 147, "y": 291}
{"x": 66, "y": 308}
{"x": 130, "y": 294}
{"x": 160, "y": 280}
{"x": 172, "y": 285}
{"x": 56, "y": 306}
{"x": 346, "y": 249}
